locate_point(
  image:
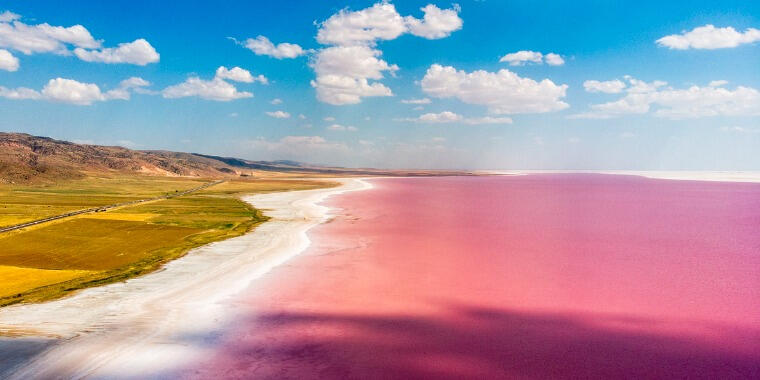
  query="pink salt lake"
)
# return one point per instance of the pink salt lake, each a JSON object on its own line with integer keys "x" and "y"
{"x": 537, "y": 276}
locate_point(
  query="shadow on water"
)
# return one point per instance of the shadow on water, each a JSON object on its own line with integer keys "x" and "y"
{"x": 476, "y": 343}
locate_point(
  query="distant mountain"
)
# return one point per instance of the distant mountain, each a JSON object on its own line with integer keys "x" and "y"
{"x": 25, "y": 158}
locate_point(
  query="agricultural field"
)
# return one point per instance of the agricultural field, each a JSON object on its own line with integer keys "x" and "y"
{"x": 24, "y": 203}
{"x": 50, "y": 260}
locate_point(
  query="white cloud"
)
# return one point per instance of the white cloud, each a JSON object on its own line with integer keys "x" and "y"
{"x": 122, "y": 92}
{"x": 442, "y": 117}
{"x": 488, "y": 120}
{"x": 350, "y": 69}
{"x": 503, "y": 92}
{"x": 608, "y": 87}
{"x": 527, "y": 56}
{"x": 436, "y": 23}
{"x": 718, "y": 83}
{"x": 9, "y": 16}
{"x": 351, "y": 61}
{"x": 237, "y": 74}
{"x": 451, "y": 117}
{"x": 137, "y": 52}
{"x": 329, "y": 118}
{"x": 341, "y": 128}
{"x": 709, "y": 37}
{"x": 7, "y": 61}
{"x": 521, "y": 57}
{"x": 416, "y": 101}
{"x": 278, "y": 114}
{"x": 276, "y": 101}
{"x": 262, "y": 46}
{"x": 21, "y": 93}
{"x": 553, "y": 59}
{"x": 343, "y": 74}
{"x": 44, "y": 38}
{"x": 302, "y": 117}
{"x": 216, "y": 89}
{"x": 70, "y": 91}
{"x": 73, "y": 92}
{"x": 672, "y": 103}
{"x": 378, "y": 22}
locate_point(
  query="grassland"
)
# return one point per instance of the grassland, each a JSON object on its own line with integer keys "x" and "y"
{"x": 53, "y": 259}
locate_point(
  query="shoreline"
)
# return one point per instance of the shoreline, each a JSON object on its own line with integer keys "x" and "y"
{"x": 141, "y": 323}
{"x": 676, "y": 175}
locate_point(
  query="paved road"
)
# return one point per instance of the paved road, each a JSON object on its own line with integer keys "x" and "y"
{"x": 106, "y": 207}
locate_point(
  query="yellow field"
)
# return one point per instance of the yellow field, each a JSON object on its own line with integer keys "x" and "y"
{"x": 53, "y": 259}
{"x": 16, "y": 280}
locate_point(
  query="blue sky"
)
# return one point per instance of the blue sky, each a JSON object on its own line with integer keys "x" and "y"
{"x": 671, "y": 91}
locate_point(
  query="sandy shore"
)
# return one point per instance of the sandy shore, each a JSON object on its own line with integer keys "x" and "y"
{"x": 141, "y": 327}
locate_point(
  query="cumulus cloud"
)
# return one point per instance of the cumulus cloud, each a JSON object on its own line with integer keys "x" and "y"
{"x": 217, "y": 89}
{"x": 553, "y": 59}
{"x": 238, "y": 74}
{"x": 710, "y": 37}
{"x": 378, "y": 22}
{"x": 343, "y": 74}
{"x": 278, "y": 114}
{"x": 451, "y": 117}
{"x": 70, "y": 91}
{"x": 276, "y": 101}
{"x": 45, "y": 38}
{"x": 138, "y": 52}
{"x": 7, "y": 61}
{"x": 416, "y": 101}
{"x": 122, "y": 92}
{"x": 522, "y": 57}
{"x": 351, "y": 68}
{"x": 9, "y": 16}
{"x": 436, "y": 23}
{"x": 21, "y": 93}
{"x": 263, "y": 46}
{"x": 329, "y": 118}
{"x": 503, "y": 92}
{"x": 608, "y": 87}
{"x": 668, "y": 102}
{"x": 342, "y": 128}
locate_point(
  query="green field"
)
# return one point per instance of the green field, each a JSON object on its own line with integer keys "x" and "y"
{"x": 53, "y": 259}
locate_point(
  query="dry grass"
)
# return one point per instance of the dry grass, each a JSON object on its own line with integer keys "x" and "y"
{"x": 16, "y": 280}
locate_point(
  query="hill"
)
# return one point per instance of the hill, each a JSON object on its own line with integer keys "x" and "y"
{"x": 29, "y": 159}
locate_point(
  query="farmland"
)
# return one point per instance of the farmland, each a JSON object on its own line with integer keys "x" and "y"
{"x": 53, "y": 259}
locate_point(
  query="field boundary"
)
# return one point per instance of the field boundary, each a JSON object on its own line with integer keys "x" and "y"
{"x": 107, "y": 207}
